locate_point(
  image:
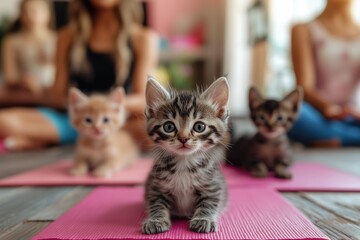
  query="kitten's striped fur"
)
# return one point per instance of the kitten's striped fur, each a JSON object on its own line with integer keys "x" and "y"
{"x": 269, "y": 149}
{"x": 186, "y": 180}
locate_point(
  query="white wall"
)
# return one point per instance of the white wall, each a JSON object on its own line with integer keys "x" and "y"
{"x": 237, "y": 55}
{"x": 9, "y": 8}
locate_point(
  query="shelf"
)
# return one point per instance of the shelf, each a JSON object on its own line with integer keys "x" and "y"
{"x": 183, "y": 55}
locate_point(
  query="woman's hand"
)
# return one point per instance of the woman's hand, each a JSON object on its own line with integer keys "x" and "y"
{"x": 352, "y": 112}
{"x": 30, "y": 84}
{"x": 335, "y": 112}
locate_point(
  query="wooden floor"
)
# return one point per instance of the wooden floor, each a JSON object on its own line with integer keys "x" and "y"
{"x": 24, "y": 211}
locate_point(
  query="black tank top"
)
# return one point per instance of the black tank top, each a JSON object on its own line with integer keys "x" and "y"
{"x": 103, "y": 74}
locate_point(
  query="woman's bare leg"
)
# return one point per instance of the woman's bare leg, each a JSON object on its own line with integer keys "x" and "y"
{"x": 24, "y": 128}
{"x": 135, "y": 125}
{"x": 15, "y": 97}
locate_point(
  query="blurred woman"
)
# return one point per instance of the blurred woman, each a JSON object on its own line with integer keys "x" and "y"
{"x": 28, "y": 55}
{"x": 326, "y": 59}
{"x": 103, "y": 46}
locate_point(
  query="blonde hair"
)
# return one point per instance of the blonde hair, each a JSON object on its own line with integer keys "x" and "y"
{"x": 17, "y": 25}
{"x": 82, "y": 14}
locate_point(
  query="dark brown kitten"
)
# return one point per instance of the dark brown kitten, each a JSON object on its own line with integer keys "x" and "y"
{"x": 269, "y": 149}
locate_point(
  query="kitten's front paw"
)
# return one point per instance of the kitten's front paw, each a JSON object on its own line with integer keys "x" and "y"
{"x": 259, "y": 172}
{"x": 282, "y": 172}
{"x": 203, "y": 225}
{"x": 102, "y": 172}
{"x": 78, "y": 171}
{"x": 151, "y": 226}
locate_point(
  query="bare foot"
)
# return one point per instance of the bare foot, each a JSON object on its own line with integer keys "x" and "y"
{"x": 14, "y": 144}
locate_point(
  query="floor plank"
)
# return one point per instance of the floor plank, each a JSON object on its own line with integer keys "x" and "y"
{"x": 61, "y": 205}
{"x": 19, "y": 162}
{"x": 28, "y": 203}
{"x": 345, "y": 205}
{"x": 334, "y": 226}
{"x": 7, "y": 194}
{"x": 23, "y": 231}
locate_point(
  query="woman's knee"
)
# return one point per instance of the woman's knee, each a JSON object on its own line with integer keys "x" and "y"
{"x": 9, "y": 123}
{"x": 311, "y": 125}
{"x": 308, "y": 116}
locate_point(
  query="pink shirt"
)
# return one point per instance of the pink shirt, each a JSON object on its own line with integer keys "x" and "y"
{"x": 337, "y": 65}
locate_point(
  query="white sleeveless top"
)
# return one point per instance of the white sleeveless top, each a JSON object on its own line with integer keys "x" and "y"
{"x": 337, "y": 65}
{"x": 36, "y": 60}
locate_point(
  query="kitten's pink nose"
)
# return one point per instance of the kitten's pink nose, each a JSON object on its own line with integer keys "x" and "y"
{"x": 183, "y": 140}
{"x": 97, "y": 130}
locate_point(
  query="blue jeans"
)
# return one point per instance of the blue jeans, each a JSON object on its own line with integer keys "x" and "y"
{"x": 312, "y": 126}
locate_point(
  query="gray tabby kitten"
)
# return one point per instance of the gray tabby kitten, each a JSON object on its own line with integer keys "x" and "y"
{"x": 269, "y": 149}
{"x": 190, "y": 131}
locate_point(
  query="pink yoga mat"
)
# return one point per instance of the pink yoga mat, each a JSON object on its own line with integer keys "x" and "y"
{"x": 313, "y": 177}
{"x": 117, "y": 213}
{"x": 57, "y": 175}
{"x": 307, "y": 177}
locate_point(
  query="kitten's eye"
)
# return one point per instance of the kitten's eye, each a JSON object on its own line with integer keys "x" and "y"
{"x": 280, "y": 118}
{"x": 169, "y": 127}
{"x": 87, "y": 120}
{"x": 199, "y": 127}
{"x": 261, "y": 118}
{"x": 106, "y": 120}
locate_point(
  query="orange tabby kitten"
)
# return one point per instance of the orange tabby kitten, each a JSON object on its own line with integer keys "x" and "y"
{"x": 102, "y": 147}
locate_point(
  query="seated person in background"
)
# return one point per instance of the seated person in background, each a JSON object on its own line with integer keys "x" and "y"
{"x": 326, "y": 59}
{"x": 103, "y": 46}
{"x": 28, "y": 55}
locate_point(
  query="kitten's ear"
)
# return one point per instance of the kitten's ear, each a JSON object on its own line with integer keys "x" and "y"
{"x": 218, "y": 92}
{"x": 155, "y": 92}
{"x": 255, "y": 98}
{"x": 76, "y": 98}
{"x": 293, "y": 100}
{"x": 117, "y": 95}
